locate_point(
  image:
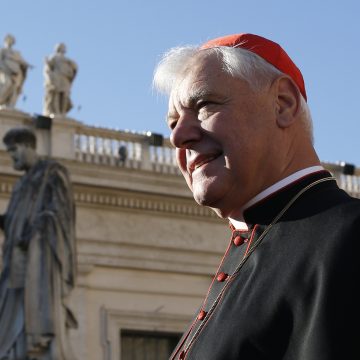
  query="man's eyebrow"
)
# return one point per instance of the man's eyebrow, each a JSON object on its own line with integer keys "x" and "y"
{"x": 195, "y": 95}
{"x": 170, "y": 116}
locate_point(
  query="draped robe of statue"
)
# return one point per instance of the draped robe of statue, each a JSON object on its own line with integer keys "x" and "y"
{"x": 13, "y": 70}
{"x": 59, "y": 73}
{"x": 38, "y": 266}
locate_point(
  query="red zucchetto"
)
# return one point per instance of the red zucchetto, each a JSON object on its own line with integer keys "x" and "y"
{"x": 269, "y": 50}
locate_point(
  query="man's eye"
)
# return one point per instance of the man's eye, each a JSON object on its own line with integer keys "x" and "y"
{"x": 204, "y": 109}
{"x": 172, "y": 124}
{"x": 203, "y": 104}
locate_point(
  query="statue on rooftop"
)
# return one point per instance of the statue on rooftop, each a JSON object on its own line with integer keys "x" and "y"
{"x": 39, "y": 257}
{"x": 13, "y": 69}
{"x": 59, "y": 74}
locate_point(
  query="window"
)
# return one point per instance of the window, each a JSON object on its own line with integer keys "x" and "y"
{"x": 147, "y": 345}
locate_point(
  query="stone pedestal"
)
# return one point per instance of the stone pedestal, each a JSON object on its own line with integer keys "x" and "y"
{"x": 62, "y": 135}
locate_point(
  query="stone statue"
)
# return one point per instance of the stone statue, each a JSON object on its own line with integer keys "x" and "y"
{"x": 39, "y": 257}
{"x": 13, "y": 69}
{"x": 59, "y": 73}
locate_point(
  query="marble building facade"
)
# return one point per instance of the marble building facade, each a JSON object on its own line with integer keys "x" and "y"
{"x": 146, "y": 252}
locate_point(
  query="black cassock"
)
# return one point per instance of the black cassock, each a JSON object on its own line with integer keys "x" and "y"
{"x": 292, "y": 296}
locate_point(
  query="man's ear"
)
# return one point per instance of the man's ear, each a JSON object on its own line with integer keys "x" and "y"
{"x": 288, "y": 100}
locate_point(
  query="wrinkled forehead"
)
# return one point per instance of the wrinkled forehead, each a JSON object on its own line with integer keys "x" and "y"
{"x": 197, "y": 76}
{"x": 204, "y": 61}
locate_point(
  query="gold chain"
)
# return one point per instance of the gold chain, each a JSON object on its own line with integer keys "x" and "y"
{"x": 252, "y": 249}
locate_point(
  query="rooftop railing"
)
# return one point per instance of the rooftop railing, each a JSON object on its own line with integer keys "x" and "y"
{"x": 347, "y": 180}
{"x": 71, "y": 139}
{"x": 120, "y": 148}
{"x": 133, "y": 150}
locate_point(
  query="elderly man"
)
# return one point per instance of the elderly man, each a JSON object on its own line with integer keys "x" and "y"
{"x": 39, "y": 258}
{"x": 286, "y": 286}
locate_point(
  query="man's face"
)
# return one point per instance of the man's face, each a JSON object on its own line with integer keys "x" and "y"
{"x": 225, "y": 135}
{"x": 22, "y": 156}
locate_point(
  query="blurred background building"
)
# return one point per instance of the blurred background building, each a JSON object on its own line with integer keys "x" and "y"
{"x": 146, "y": 251}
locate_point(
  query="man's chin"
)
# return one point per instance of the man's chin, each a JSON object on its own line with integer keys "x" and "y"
{"x": 213, "y": 197}
{"x": 202, "y": 195}
{"x": 208, "y": 201}
{"x": 213, "y": 206}
{"x": 201, "y": 201}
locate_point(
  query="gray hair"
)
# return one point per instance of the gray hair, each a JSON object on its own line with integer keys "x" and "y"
{"x": 236, "y": 62}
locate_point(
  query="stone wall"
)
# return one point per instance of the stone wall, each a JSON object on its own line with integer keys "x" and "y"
{"x": 146, "y": 251}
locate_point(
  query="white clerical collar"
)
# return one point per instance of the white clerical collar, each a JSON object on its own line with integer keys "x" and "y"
{"x": 239, "y": 224}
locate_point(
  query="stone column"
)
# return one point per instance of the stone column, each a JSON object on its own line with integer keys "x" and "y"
{"x": 63, "y": 132}
{"x": 145, "y": 155}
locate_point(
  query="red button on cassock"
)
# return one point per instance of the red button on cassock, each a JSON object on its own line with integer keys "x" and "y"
{"x": 182, "y": 355}
{"x": 238, "y": 240}
{"x": 201, "y": 315}
{"x": 222, "y": 277}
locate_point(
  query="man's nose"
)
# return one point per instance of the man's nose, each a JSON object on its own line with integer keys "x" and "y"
{"x": 186, "y": 131}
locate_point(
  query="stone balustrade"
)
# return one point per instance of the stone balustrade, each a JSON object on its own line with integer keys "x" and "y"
{"x": 121, "y": 148}
{"x": 73, "y": 140}
{"x": 100, "y": 145}
{"x": 141, "y": 238}
{"x": 349, "y": 182}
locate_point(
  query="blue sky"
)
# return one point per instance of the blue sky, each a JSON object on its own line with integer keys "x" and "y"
{"x": 117, "y": 44}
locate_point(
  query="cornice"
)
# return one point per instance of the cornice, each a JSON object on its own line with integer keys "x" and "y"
{"x": 128, "y": 200}
{"x": 136, "y": 200}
